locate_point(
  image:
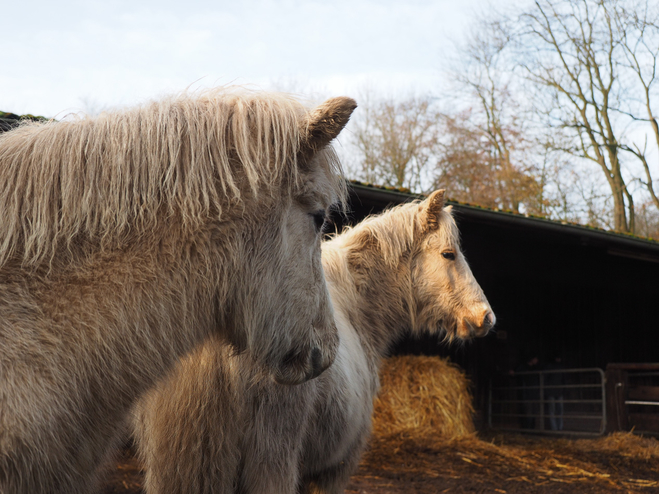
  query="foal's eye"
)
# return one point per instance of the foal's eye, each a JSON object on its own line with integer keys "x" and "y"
{"x": 450, "y": 255}
{"x": 319, "y": 219}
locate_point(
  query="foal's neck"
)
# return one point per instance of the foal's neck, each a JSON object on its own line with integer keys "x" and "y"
{"x": 374, "y": 294}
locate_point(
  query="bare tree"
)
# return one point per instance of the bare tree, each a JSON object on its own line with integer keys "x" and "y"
{"x": 474, "y": 168}
{"x": 475, "y": 154}
{"x": 582, "y": 58}
{"x": 396, "y": 142}
{"x": 639, "y": 31}
{"x": 647, "y": 220}
{"x": 487, "y": 150}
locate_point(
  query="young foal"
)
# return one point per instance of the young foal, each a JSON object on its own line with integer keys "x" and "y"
{"x": 219, "y": 424}
{"x": 127, "y": 239}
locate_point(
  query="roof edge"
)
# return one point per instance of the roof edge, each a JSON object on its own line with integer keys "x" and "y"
{"x": 616, "y": 243}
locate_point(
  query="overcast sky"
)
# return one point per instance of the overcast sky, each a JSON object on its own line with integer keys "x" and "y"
{"x": 66, "y": 56}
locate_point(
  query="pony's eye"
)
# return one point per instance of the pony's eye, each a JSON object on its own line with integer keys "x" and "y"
{"x": 450, "y": 255}
{"x": 319, "y": 219}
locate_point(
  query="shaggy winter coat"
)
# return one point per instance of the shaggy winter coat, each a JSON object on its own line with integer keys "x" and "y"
{"x": 128, "y": 238}
{"x": 220, "y": 424}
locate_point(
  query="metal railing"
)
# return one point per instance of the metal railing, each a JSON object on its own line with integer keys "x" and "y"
{"x": 633, "y": 397}
{"x": 566, "y": 401}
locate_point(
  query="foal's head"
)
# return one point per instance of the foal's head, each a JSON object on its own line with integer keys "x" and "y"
{"x": 447, "y": 295}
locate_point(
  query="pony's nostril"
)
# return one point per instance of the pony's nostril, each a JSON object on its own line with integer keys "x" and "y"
{"x": 316, "y": 359}
{"x": 488, "y": 320}
{"x": 290, "y": 358}
{"x": 300, "y": 366}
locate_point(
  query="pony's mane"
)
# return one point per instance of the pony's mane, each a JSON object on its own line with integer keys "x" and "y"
{"x": 106, "y": 176}
{"x": 397, "y": 230}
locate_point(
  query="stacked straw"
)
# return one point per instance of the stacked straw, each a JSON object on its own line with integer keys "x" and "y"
{"x": 423, "y": 395}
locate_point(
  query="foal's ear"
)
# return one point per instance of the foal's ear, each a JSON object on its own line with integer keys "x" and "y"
{"x": 324, "y": 123}
{"x": 432, "y": 207}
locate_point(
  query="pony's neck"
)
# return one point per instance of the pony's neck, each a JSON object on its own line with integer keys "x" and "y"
{"x": 373, "y": 294}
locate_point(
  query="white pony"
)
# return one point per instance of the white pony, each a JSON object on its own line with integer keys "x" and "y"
{"x": 220, "y": 424}
{"x": 128, "y": 238}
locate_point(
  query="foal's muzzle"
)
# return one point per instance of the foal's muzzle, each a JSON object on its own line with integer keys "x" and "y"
{"x": 474, "y": 328}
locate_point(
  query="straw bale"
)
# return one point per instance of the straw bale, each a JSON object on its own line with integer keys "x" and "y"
{"x": 423, "y": 393}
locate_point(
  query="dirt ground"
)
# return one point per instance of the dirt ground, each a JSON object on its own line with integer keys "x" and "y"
{"x": 422, "y": 463}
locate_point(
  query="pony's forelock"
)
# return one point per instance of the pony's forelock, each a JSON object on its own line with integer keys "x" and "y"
{"x": 337, "y": 193}
{"x": 116, "y": 173}
{"x": 397, "y": 230}
{"x": 448, "y": 229}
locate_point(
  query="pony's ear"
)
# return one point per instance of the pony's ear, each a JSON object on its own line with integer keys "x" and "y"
{"x": 432, "y": 207}
{"x": 324, "y": 123}
{"x": 358, "y": 262}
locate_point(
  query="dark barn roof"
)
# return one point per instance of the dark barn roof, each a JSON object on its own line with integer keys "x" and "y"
{"x": 586, "y": 294}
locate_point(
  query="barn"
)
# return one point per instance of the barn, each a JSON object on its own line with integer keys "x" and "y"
{"x": 558, "y": 290}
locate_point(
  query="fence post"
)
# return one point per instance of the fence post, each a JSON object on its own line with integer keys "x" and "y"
{"x": 616, "y": 391}
{"x": 542, "y": 401}
{"x": 489, "y": 404}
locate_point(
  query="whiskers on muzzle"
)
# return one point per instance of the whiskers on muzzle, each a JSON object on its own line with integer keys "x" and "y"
{"x": 303, "y": 364}
{"x": 476, "y": 327}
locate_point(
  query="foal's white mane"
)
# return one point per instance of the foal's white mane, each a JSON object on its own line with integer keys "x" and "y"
{"x": 103, "y": 177}
{"x": 397, "y": 230}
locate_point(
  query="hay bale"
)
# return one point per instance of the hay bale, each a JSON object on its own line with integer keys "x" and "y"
{"x": 421, "y": 393}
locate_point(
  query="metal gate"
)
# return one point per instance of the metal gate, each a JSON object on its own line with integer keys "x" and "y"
{"x": 633, "y": 397}
{"x": 566, "y": 401}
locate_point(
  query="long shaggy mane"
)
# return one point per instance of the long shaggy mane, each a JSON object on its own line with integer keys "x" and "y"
{"x": 103, "y": 177}
{"x": 397, "y": 230}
